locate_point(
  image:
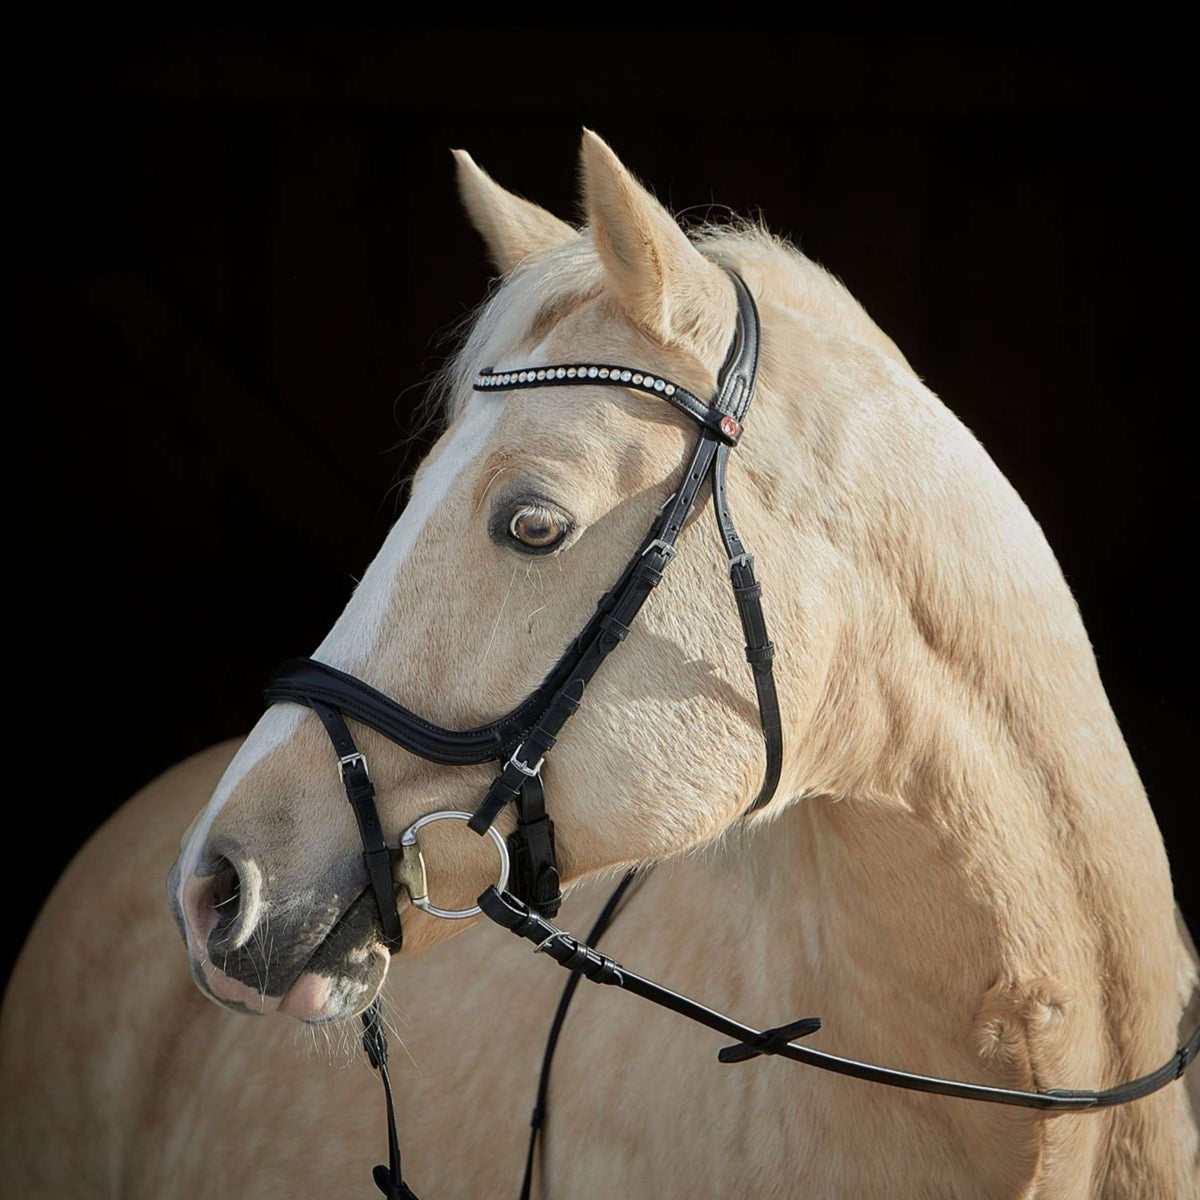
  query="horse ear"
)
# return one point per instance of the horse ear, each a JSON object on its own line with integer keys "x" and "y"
{"x": 662, "y": 282}
{"x": 511, "y": 228}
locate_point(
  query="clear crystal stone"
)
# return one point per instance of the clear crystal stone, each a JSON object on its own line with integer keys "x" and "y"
{"x": 659, "y": 385}
{"x": 560, "y": 372}
{"x": 592, "y": 372}
{"x": 626, "y": 376}
{"x": 670, "y": 389}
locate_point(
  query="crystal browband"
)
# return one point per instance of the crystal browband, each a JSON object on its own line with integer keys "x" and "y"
{"x": 651, "y": 383}
{"x": 726, "y": 427}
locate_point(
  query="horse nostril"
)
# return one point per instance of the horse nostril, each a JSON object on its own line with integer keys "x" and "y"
{"x": 222, "y": 901}
{"x": 225, "y": 898}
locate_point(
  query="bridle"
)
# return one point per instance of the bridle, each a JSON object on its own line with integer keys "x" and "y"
{"x": 522, "y": 738}
{"x": 528, "y": 888}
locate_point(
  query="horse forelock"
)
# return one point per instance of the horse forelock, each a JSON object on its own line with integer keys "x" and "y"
{"x": 524, "y": 306}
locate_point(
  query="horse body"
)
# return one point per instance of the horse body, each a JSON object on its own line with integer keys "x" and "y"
{"x": 961, "y": 874}
{"x": 120, "y": 1080}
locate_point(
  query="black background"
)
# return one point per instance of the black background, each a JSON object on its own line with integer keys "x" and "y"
{"x": 235, "y": 252}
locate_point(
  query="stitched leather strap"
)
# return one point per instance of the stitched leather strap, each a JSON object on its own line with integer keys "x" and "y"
{"x": 760, "y": 650}
{"x": 388, "y": 1179}
{"x": 739, "y": 372}
{"x": 307, "y": 681}
{"x": 538, "y": 1116}
{"x": 534, "y": 874}
{"x": 360, "y": 791}
{"x": 512, "y": 914}
{"x": 603, "y": 634}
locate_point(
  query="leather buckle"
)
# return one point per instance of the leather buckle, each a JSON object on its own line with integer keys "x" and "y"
{"x": 659, "y": 544}
{"x": 523, "y": 766}
{"x": 350, "y": 760}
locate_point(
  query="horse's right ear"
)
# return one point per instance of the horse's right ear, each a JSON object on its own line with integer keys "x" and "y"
{"x": 662, "y": 282}
{"x": 511, "y": 228}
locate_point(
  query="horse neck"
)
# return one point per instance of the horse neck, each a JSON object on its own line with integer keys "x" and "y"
{"x": 971, "y": 826}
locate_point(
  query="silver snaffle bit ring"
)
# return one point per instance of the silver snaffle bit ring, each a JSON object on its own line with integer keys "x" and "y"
{"x": 409, "y": 839}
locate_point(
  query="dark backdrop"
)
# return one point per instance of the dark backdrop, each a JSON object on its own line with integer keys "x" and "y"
{"x": 235, "y": 253}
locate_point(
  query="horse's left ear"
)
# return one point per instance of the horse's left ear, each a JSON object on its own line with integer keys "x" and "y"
{"x": 512, "y": 228}
{"x": 662, "y": 282}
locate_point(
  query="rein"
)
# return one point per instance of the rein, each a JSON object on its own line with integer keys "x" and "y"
{"x": 528, "y": 890}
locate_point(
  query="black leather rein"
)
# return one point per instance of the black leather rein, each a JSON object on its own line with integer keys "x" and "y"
{"x": 521, "y": 739}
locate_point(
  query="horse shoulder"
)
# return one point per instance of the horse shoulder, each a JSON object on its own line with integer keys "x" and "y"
{"x": 82, "y": 1028}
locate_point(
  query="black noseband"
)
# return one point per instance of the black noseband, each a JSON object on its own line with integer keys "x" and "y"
{"x": 522, "y": 738}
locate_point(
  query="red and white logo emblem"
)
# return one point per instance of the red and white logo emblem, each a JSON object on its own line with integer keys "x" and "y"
{"x": 730, "y": 428}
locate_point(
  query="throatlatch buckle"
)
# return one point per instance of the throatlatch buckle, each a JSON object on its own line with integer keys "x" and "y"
{"x": 349, "y": 760}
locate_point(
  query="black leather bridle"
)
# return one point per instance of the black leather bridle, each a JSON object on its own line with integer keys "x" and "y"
{"x": 521, "y": 739}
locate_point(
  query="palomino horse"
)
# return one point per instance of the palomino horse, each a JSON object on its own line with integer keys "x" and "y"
{"x": 959, "y": 870}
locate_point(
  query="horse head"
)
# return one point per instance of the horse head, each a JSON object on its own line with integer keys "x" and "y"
{"x": 523, "y": 505}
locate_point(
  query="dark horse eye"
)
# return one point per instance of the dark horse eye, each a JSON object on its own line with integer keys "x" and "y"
{"x": 537, "y": 527}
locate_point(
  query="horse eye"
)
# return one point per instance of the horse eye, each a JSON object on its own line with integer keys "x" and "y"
{"x": 537, "y": 527}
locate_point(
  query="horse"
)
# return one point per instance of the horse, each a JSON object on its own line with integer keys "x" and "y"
{"x": 959, "y": 870}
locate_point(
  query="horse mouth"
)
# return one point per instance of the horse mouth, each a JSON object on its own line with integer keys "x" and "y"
{"x": 346, "y": 969}
{"x": 341, "y": 975}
